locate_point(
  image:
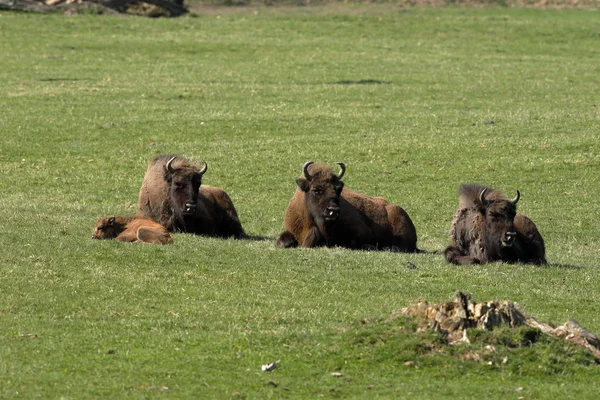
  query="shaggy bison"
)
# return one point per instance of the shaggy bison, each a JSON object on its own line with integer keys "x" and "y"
{"x": 488, "y": 228}
{"x": 131, "y": 229}
{"x": 323, "y": 213}
{"x": 172, "y": 195}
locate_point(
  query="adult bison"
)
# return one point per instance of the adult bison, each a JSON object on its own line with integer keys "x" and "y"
{"x": 488, "y": 228}
{"x": 131, "y": 229}
{"x": 323, "y": 213}
{"x": 172, "y": 195}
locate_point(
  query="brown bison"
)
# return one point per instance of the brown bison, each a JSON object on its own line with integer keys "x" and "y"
{"x": 131, "y": 229}
{"x": 323, "y": 213}
{"x": 488, "y": 228}
{"x": 172, "y": 194}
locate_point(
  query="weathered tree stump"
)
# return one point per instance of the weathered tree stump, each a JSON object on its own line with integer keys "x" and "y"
{"x": 150, "y": 8}
{"x": 454, "y": 318}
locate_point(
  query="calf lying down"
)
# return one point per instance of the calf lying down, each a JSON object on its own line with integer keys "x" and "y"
{"x": 131, "y": 229}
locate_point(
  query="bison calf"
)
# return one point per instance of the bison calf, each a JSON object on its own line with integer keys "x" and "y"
{"x": 488, "y": 228}
{"x": 131, "y": 229}
{"x": 172, "y": 194}
{"x": 323, "y": 213}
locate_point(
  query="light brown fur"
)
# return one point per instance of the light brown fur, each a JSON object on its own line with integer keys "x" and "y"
{"x": 131, "y": 229}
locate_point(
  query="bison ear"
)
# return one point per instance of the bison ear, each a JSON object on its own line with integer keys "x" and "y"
{"x": 303, "y": 184}
{"x": 111, "y": 220}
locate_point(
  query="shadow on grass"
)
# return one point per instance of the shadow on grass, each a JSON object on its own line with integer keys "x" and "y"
{"x": 561, "y": 266}
{"x": 259, "y": 238}
{"x": 61, "y": 79}
{"x": 361, "y": 82}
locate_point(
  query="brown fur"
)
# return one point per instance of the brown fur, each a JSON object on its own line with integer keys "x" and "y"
{"x": 131, "y": 229}
{"x": 164, "y": 197}
{"x": 363, "y": 222}
{"x": 492, "y": 230}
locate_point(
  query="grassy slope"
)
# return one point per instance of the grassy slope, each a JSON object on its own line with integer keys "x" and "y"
{"x": 402, "y": 96}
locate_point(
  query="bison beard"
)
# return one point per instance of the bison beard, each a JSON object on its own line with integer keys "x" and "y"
{"x": 323, "y": 213}
{"x": 173, "y": 195}
{"x": 488, "y": 228}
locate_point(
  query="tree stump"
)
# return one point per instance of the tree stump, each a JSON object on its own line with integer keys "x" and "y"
{"x": 454, "y": 318}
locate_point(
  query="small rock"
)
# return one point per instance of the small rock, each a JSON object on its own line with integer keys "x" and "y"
{"x": 270, "y": 366}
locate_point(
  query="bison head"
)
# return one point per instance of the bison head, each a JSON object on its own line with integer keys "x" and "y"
{"x": 322, "y": 189}
{"x": 184, "y": 180}
{"x": 106, "y": 229}
{"x": 499, "y": 216}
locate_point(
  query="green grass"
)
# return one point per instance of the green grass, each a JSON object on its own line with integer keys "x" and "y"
{"x": 401, "y": 95}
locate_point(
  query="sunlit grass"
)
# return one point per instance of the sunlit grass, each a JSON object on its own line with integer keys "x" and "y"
{"x": 405, "y": 98}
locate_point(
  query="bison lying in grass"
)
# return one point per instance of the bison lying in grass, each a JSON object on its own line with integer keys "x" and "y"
{"x": 172, "y": 194}
{"x": 323, "y": 213}
{"x": 488, "y": 228}
{"x": 131, "y": 229}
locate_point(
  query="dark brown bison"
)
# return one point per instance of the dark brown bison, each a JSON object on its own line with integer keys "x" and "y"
{"x": 131, "y": 229}
{"x": 323, "y": 213}
{"x": 488, "y": 228}
{"x": 172, "y": 194}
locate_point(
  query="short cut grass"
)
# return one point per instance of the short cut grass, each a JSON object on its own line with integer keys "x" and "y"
{"x": 415, "y": 101}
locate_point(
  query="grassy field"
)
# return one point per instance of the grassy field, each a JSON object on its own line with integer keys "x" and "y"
{"x": 414, "y": 101}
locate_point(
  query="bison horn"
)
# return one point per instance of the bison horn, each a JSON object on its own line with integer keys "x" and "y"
{"x": 342, "y": 170}
{"x": 169, "y": 167}
{"x": 203, "y": 170}
{"x": 516, "y": 199}
{"x": 482, "y": 198}
{"x": 305, "y": 170}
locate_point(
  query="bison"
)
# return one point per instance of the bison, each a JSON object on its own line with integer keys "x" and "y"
{"x": 323, "y": 213}
{"x": 172, "y": 194}
{"x": 488, "y": 228}
{"x": 131, "y": 229}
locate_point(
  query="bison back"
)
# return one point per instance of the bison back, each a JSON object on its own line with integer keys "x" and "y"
{"x": 215, "y": 205}
{"x": 530, "y": 241}
{"x": 378, "y": 222}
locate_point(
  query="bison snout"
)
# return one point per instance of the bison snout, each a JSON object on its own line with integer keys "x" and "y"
{"x": 331, "y": 213}
{"x": 509, "y": 238}
{"x": 189, "y": 208}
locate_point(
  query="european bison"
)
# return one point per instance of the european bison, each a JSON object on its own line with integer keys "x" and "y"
{"x": 488, "y": 228}
{"x": 131, "y": 229}
{"x": 172, "y": 195}
{"x": 323, "y": 213}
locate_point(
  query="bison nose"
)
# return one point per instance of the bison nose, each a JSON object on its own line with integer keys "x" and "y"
{"x": 509, "y": 238}
{"x": 331, "y": 213}
{"x": 189, "y": 208}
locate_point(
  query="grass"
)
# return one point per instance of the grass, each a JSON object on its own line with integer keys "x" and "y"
{"x": 403, "y": 96}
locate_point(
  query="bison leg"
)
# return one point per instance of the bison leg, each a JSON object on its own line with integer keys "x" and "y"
{"x": 126, "y": 236}
{"x": 149, "y": 235}
{"x": 453, "y": 255}
{"x": 287, "y": 240}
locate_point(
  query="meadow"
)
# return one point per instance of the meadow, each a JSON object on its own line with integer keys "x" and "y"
{"x": 415, "y": 101}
